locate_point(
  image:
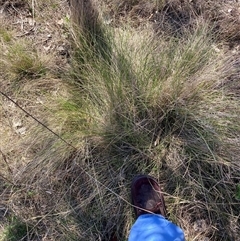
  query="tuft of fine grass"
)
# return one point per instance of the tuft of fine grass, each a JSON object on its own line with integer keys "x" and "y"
{"x": 24, "y": 62}
{"x": 6, "y": 36}
{"x": 16, "y": 230}
{"x": 150, "y": 106}
{"x": 20, "y": 59}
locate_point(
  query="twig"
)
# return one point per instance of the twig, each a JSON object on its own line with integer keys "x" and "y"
{"x": 5, "y": 160}
{"x": 6, "y": 179}
{"x": 27, "y": 33}
{"x": 33, "y": 10}
{"x": 9, "y": 169}
{"x": 5, "y": 5}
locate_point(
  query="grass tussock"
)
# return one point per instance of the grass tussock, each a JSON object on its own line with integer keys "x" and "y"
{"x": 17, "y": 230}
{"x": 22, "y": 62}
{"x": 133, "y": 102}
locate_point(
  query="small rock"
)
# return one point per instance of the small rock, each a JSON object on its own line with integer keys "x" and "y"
{"x": 17, "y": 124}
{"x": 60, "y": 48}
{"x": 200, "y": 225}
{"x": 216, "y": 49}
{"x": 31, "y": 21}
{"x": 60, "y": 22}
{"x": 21, "y": 131}
{"x": 63, "y": 50}
{"x": 46, "y": 48}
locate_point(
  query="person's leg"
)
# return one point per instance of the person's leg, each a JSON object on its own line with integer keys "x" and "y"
{"x": 154, "y": 227}
{"x": 149, "y": 207}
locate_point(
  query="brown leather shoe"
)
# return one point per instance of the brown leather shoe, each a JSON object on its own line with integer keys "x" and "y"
{"x": 146, "y": 196}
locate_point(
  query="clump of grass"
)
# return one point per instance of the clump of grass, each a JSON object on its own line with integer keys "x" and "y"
{"x": 146, "y": 88}
{"x": 5, "y": 35}
{"x": 24, "y": 62}
{"x": 16, "y": 230}
{"x": 238, "y": 192}
{"x": 157, "y": 92}
{"x": 20, "y": 59}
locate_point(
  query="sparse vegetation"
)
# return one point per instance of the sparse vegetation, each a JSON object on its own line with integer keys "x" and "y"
{"x": 17, "y": 230}
{"x": 152, "y": 90}
{"x": 24, "y": 62}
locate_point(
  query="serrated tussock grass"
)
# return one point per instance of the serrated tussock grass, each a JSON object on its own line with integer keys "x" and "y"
{"x": 151, "y": 85}
{"x": 20, "y": 60}
{"x": 159, "y": 104}
{"x": 136, "y": 103}
{"x": 155, "y": 105}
